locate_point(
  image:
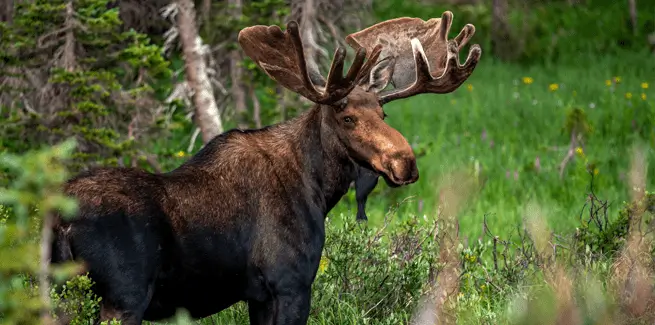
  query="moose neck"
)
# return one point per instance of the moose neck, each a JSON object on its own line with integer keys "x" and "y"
{"x": 325, "y": 160}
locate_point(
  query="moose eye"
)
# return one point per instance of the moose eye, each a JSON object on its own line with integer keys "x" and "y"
{"x": 348, "y": 119}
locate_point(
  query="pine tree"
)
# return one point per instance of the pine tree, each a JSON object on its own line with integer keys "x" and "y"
{"x": 75, "y": 72}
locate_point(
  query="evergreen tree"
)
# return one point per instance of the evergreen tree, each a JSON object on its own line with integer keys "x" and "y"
{"x": 70, "y": 70}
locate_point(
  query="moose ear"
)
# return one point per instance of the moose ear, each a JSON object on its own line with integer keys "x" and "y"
{"x": 381, "y": 75}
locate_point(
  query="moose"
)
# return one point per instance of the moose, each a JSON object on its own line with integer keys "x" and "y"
{"x": 244, "y": 218}
{"x": 365, "y": 183}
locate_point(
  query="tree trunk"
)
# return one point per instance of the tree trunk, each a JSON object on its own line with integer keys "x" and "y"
{"x": 236, "y": 74}
{"x": 256, "y": 107}
{"x": 206, "y": 112}
{"x": 44, "y": 267}
{"x": 500, "y": 37}
{"x": 307, "y": 22}
{"x": 282, "y": 102}
{"x": 6, "y": 10}
{"x": 633, "y": 15}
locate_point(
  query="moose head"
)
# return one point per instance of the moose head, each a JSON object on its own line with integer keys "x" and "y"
{"x": 413, "y": 55}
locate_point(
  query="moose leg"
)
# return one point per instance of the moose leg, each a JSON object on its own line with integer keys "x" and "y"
{"x": 123, "y": 258}
{"x": 364, "y": 185}
{"x": 128, "y": 307}
{"x": 261, "y": 313}
{"x": 292, "y": 308}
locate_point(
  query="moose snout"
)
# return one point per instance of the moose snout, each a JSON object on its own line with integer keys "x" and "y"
{"x": 402, "y": 169}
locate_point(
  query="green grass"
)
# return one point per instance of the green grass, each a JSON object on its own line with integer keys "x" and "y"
{"x": 524, "y": 121}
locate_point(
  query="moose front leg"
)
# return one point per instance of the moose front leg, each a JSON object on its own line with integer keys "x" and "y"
{"x": 290, "y": 308}
{"x": 364, "y": 184}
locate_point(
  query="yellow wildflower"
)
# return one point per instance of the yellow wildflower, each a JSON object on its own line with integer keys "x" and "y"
{"x": 482, "y": 287}
{"x": 527, "y": 80}
{"x": 579, "y": 151}
{"x": 643, "y": 96}
{"x": 628, "y": 95}
{"x": 575, "y": 93}
{"x": 644, "y": 85}
{"x": 322, "y": 265}
{"x": 553, "y": 87}
{"x": 469, "y": 87}
{"x": 617, "y": 80}
{"x": 596, "y": 171}
{"x": 180, "y": 154}
{"x": 608, "y": 82}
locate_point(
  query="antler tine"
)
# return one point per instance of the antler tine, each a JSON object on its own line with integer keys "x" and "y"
{"x": 337, "y": 87}
{"x": 340, "y": 86}
{"x": 364, "y": 72}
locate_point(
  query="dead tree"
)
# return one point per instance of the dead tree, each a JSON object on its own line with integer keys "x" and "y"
{"x": 244, "y": 218}
{"x": 206, "y": 112}
{"x": 236, "y": 74}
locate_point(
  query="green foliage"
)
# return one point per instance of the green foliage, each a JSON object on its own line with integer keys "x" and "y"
{"x": 100, "y": 80}
{"x": 32, "y": 195}
{"x": 77, "y": 300}
{"x": 382, "y": 275}
{"x": 600, "y": 236}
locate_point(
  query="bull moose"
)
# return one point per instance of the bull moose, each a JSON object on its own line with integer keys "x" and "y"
{"x": 244, "y": 218}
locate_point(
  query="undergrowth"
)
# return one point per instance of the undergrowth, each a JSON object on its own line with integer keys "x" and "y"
{"x": 382, "y": 275}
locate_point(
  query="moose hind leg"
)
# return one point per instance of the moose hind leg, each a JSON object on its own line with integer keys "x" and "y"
{"x": 291, "y": 308}
{"x": 117, "y": 306}
{"x": 122, "y": 257}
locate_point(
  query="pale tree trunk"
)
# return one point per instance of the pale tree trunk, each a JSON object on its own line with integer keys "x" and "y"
{"x": 307, "y": 23}
{"x": 282, "y": 102}
{"x": 207, "y": 117}
{"x": 236, "y": 74}
{"x": 256, "y": 107}
{"x": 633, "y": 15}
{"x": 304, "y": 11}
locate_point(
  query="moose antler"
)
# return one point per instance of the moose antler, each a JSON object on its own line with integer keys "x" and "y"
{"x": 408, "y": 40}
{"x": 280, "y": 55}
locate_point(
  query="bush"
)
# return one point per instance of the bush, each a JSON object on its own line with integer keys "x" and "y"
{"x": 373, "y": 275}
